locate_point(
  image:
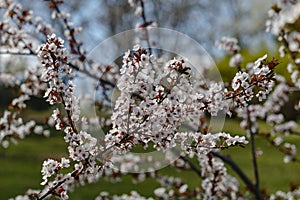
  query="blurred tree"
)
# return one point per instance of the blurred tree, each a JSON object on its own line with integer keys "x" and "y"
{"x": 204, "y": 20}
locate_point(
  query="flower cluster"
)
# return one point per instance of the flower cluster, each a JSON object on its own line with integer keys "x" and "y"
{"x": 12, "y": 128}
{"x": 260, "y": 74}
{"x": 228, "y": 44}
{"x": 282, "y": 15}
{"x": 52, "y": 166}
{"x": 8, "y": 80}
{"x": 34, "y": 84}
{"x": 151, "y": 106}
{"x": 56, "y": 73}
{"x": 83, "y": 151}
{"x": 172, "y": 188}
{"x": 294, "y": 194}
{"x": 283, "y": 22}
{"x": 11, "y": 36}
{"x": 132, "y": 196}
{"x": 231, "y": 46}
{"x": 217, "y": 183}
{"x": 82, "y": 147}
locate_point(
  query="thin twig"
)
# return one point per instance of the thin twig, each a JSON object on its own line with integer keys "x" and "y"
{"x": 145, "y": 28}
{"x": 268, "y": 75}
{"x": 17, "y": 53}
{"x": 69, "y": 115}
{"x": 253, "y": 154}
{"x": 192, "y": 166}
{"x": 189, "y": 162}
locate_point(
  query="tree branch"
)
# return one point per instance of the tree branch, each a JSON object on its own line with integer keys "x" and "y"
{"x": 145, "y": 22}
{"x": 253, "y": 154}
{"x": 192, "y": 166}
{"x": 240, "y": 173}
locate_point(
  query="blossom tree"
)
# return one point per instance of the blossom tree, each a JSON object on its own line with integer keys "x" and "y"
{"x": 159, "y": 103}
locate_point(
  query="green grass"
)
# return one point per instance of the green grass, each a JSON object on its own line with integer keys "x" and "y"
{"x": 21, "y": 164}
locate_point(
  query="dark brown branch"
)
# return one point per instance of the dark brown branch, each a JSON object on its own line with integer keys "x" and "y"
{"x": 17, "y": 53}
{"x": 51, "y": 190}
{"x": 69, "y": 114}
{"x": 145, "y": 22}
{"x": 240, "y": 173}
{"x": 192, "y": 166}
{"x": 253, "y": 154}
{"x": 93, "y": 76}
{"x": 71, "y": 31}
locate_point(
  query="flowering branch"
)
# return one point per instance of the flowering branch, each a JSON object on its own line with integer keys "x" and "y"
{"x": 158, "y": 105}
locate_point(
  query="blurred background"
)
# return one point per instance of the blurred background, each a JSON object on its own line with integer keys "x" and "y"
{"x": 203, "y": 20}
